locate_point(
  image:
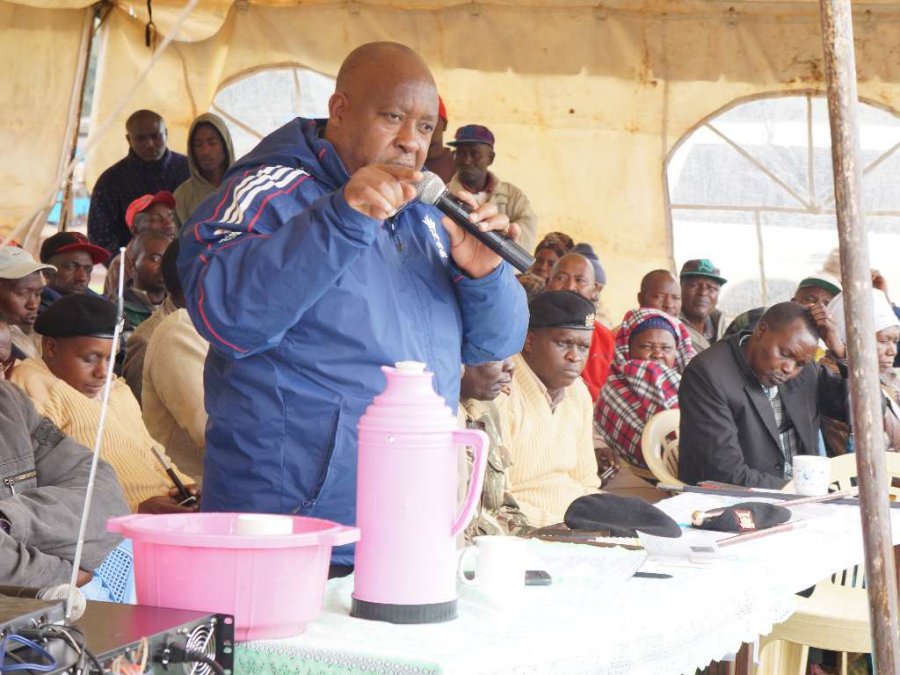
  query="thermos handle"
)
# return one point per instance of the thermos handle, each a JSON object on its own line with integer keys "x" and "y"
{"x": 478, "y": 441}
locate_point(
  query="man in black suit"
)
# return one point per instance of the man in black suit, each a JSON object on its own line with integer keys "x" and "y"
{"x": 752, "y": 402}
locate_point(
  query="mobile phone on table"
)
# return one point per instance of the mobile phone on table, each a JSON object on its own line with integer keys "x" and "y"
{"x": 537, "y": 578}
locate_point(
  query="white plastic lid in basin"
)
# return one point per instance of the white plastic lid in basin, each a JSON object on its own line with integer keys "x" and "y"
{"x": 263, "y": 524}
{"x": 410, "y": 367}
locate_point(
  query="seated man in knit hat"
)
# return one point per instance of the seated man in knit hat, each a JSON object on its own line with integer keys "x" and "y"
{"x": 752, "y": 402}
{"x": 498, "y": 512}
{"x": 546, "y": 420}
{"x": 145, "y": 291}
{"x": 147, "y": 212}
{"x": 74, "y": 258}
{"x": 44, "y": 474}
{"x": 473, "y": 153}
{"x": 700, "y": 284}
{"x": 600, "y": 277}
{"x": 21, "y": 285}
{"x": 66, "y": 385}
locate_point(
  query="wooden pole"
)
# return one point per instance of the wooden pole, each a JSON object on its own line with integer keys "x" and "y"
{"x": 865, "y": 390}
{"x": 75, "y": 108}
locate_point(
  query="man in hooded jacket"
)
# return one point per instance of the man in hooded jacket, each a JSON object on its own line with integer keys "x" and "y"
{"x": 210, "y": 153}
{"x": 312, "y": 268}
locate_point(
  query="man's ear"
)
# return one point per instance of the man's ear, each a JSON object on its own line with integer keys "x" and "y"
{"x": 491, "y": 161}
{"x": 337, "y": 108}
{"x": 529, "y": 342}
{"x": 48, "y": 347}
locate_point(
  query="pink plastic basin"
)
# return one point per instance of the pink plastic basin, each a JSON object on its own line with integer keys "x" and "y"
{"x": 272, "y": 584}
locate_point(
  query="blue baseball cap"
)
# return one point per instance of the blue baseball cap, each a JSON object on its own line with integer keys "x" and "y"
{"x": 472, "y": 133}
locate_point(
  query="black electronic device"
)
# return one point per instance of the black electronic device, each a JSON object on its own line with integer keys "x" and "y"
{"x": 171, "y": 641}
{"x": 22, "y": 614}
{"x": 537, "y": 578}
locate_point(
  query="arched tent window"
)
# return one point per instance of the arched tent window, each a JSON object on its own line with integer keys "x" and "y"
{"x": 751, "y": 188}
{"x": 257, "y": 104}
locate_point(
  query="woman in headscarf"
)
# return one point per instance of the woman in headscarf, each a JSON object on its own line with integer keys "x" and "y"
{"x": 550, "y": 249}
{"x": 887, "y": 334}
{"x": 652, "y": 350}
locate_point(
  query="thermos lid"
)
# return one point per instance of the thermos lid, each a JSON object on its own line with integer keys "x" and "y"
{"x": 410, "y": 367}
{"x": 408, "y": 403}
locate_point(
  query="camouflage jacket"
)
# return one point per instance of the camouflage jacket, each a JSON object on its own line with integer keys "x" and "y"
{"x": 498, "y": 512}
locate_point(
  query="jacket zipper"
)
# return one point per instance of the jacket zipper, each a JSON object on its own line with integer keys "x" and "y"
{"x": 11, "y": 481}
{"x": 392, "y": 230}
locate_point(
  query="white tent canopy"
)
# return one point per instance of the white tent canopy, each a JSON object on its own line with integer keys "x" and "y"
{"x": 586, "y": 101}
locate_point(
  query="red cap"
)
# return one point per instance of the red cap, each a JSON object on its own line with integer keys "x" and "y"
{"x": 61, "y": 242}
{"x": 144, "y": 202}
{"x": 442, "y": 109}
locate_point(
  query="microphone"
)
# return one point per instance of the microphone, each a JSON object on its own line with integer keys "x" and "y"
{"x": 431, "y": 190}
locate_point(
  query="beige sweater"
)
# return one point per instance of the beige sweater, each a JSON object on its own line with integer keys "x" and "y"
{"x": 136, "y": 348}
{"x": 173, "y": 390}
{"x": 126, "y": 442}
{"x": 553, "y": 461}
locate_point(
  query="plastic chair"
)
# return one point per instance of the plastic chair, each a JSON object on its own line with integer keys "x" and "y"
{"x": 836, "y": 616}
{"x": 659, "y": 445}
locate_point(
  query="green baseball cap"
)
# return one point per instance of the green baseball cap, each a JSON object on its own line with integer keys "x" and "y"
{"x": 702, "y": 267}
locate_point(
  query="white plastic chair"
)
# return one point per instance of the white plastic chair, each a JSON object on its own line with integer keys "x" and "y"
{"x": 659, "y": 445}
{"x": 836, "y": 616}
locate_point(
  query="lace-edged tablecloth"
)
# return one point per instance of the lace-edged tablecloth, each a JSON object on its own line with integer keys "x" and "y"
{"x": 592, "y": 619}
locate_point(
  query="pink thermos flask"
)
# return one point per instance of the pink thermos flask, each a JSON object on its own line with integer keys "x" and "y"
{"x": 406, "y": 501}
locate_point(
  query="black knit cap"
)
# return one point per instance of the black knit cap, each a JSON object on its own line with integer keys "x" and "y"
{"x": 78, "y": 315}
{"x": 620, "y": 516}
{"x": 561, "y": 309}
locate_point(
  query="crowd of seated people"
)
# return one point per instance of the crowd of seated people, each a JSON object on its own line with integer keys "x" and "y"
{"x": 569, "y": 406}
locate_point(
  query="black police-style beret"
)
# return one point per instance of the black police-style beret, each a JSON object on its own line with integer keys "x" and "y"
{"x": 78, "y": 315}
{"x": 747, "y": 517}
{"x": 561, "y": 309}
{"x": 622, "y": 516}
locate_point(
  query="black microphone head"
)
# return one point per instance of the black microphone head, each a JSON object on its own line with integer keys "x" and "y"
{"x": 430, "y": 188}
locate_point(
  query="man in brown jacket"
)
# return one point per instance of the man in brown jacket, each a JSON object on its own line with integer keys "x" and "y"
{"x": 474, "y": 153}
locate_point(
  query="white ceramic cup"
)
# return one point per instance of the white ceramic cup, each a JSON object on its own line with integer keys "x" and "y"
{"x": 255, "y": 524}
{"x": 499, "y": 565}
{"x": 811, "y": 475}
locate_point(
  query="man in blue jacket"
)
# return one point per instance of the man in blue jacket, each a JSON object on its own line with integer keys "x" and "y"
{"x": 313, "y": 266}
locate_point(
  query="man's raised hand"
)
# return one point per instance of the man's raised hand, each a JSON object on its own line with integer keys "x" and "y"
{"x": 470, "y": 255}
{"x": 379, "y": 190}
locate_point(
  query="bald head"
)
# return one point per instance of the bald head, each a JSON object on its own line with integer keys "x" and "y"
{"x": 376, "y": 59}
{"x": 660, "y": 289}
{"x": 384, "y": 108}
{"x": 145, "y": 131}
{"x": 574, "y": 272}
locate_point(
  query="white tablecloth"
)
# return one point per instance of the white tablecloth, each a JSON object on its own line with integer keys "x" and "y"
{"x": 590, "y": 622}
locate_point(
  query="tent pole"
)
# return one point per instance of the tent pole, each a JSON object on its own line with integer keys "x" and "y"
{"x": 865, "y": 389}
{"x": 75, "y": 108}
